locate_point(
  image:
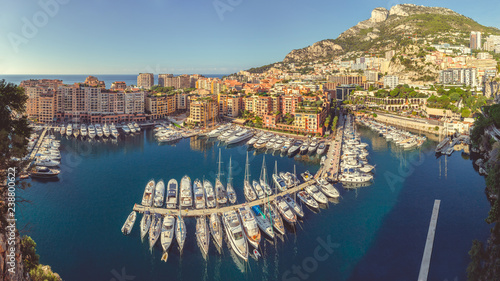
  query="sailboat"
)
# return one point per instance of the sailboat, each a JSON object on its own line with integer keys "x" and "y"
{"x": 263, "y": 178}
{"x": 220, "y": 191}
{"x": 247, "y": 188}
{"x": 216, "y": 229}
{"x": 202, "y": 235}
{"x": 231, "y": 194}
{"x": 180, "y": 231}
{"x": 278, "y": 181}
{"x": 167, "y": 235}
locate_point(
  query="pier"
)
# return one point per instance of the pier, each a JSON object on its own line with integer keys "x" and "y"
{"x": 332, "y": 162}
{"x": 36, "y": 148}
{"x": 426, "y": 259}
{"x": 206, "y": 212}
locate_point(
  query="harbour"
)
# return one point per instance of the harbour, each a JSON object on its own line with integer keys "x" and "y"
{"x": 338, "y": 219}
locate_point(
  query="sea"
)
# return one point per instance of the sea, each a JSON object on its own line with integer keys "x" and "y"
{"x": 129, "y": 79}
{"x": 375, "y": 232}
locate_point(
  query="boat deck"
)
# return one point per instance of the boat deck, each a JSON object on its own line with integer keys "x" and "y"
{"x": 206, "y": 212}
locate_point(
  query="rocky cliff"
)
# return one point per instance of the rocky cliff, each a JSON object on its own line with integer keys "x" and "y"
{"x": 7, "y": 262}
{"x": 317, "y": 51}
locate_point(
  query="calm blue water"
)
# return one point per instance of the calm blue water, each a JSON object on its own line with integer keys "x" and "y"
{"x": 377, "y": 232}
{"x": 129, "y": 79}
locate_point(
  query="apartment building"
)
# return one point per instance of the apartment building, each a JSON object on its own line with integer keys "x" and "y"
{"x": 145, "y": 80}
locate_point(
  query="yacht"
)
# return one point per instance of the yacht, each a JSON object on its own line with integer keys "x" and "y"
{"x": 313, "y": 146}
{"x": 327, "y": 188}
{"x": 270, "y": 143}
{"x": 250, "y": 225}
{"x": 92, "y": 132}
{"x": 286, "y": 146}
{"x": 105, "y": 130}
{"x": 131, "y": 127}
{"x": 167, "y": 232}
{"x": 83, "y": 130}
{"x": 210, "y": 194}
{"x": 69, "y": 130}
{"x": 258, "y": 189}
{"x": 226, "y": 135}
{"x": 260, "y": 144}
{"x": 293, "y": 205}
{"x": 231, "y": 194}
{"x": 129, "y": 223}
{"x": 304, "y": 148}
{"x": 172, "y": 194}
{"x": 307, "y": 199}
{"x": 47, "y": 162}
{"x": 266, "y": 187}
{"x": 154, "y": 230}
{"x": 306, "y": 176}
{"x": 202, "y": 235}
{"x": 114, "y": 131}
{"x": 216, "y": 229}
{"x": 186, "y": 198}
{"x": 234, "y": 233}
{"x": 62, "y": 130}
{"x": 44, "y": 172}
{"x": 279, "y": 182}
{"x": 240, "y": 136}
{"x": 295, "y": 148}
{"x": 145, "y": 224}
{"x": 285, "y": 210}
{"x": 321, "y": 148}
{"x": 278, "y": 145}
{"x": 147, "y": 197}
{"x": 220, "y": 192}
{"x": 316, "y": 194}
{"x": 263, "y": 222}
{"x": 352, "y": 176}
{"x": 250, "y": 194}
{"x": 180, "y": 232}
{"x": 252, "y": 141}
{"x": 126, "y": 129}
{"x": 287, "y": 179}
{"x": 137, "y": 127}
{"x": 273, "y": 214}
{"x": 159, "y": 194}
{"x": 98, "y": 130}
{"x": 199, "y": 195}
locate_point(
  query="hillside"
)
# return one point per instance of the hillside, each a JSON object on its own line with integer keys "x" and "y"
{"x": 385, "y": 29}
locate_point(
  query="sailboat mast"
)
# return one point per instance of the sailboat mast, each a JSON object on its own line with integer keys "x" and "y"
{"x": 230, "y": 176}
{"x": 218, "y": 173}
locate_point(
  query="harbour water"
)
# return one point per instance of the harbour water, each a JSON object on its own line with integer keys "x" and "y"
{"x": 374, "y": 233}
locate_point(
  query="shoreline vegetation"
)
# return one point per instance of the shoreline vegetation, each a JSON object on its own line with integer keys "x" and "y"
{"x": 18, "y": 258}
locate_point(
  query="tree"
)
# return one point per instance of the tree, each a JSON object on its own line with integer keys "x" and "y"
{"x": 465, "y": 112}
{"x": 28, "y": 249}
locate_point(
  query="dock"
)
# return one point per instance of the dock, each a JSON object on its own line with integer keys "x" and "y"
{"x": 206, "y": 212}
{"x": 36, "y": 148}
{"x": 332, "y": 163}
{"x": 426, "y": 259}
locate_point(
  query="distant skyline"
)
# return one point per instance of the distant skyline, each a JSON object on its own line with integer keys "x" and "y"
{"x": 208, "y": 36}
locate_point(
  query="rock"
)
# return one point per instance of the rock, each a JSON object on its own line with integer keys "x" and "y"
{"x": 318, "y": 50}
{"x": 379, "y": 15}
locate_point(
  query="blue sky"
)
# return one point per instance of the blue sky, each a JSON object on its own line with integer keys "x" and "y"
{"x": 179, "y": 36}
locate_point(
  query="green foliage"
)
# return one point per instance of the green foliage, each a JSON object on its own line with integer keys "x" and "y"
{"x": 28, "y": 249}
{"x": 38, "y": 274}
{"x": 465, "y": 112}
{"x": 160, "y": 89}
{"x": 474, "y": 269}
{"x": 261, "y": 69}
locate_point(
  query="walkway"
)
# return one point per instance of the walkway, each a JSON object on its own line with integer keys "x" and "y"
{"x": 426, "y": 259}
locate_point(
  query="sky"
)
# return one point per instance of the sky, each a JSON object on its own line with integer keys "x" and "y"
{"x": 179, "y": 36}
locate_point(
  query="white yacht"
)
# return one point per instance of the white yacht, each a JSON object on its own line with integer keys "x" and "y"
{"x": 273, "y": 214}
{"x": 316, "y": 194}
{"x": 279, "y": 182}
{"x": 234, "y": 233}
{"x": 105, "y": 130}
{"x": 171, "y": 199}
{"x": 313, "y": 146}
{"x": 126, "y": 129}
{"x": 92, "y": 132}
{"x": 263, "y": 221}
{"x": 199, "y": 195}
{"x": 137, "y": 127}
{"x": 250, "y": 194}
{"x": 145, "y": 224}
{"x": 47, "y": 162}
{"x": 285, "y": 210}
{"x": 240, "y": 136}
{"x": 69, "y": 130}
{"x": 307, "y": 199}
{"x": 202, "y": 235}
{"x": 98, "y": 130}
{"x": 216, "y": 229}
{"x": 180, "y": 233}
{"x": 114, "y": 131}
{"x": 293, "y": 205}
{"x": 186, "y": 198}
{"x": 294, "y": 148}
{"x": 159, "y": 194}
{"x": 321, "y": 148}
{"x": 129, "y": 223}
{"x": 155, "y": 230}
{"x": 83, "y": 130}
{"x": 147, "y": 197}
{"x": 328, "y": 189}
{"x": 131, "y": 127}
{"x": 266, "y": 187}
{"x": 167, "y": 232}
{"x": 209, "y": 194}
{"x": 258, "y": 189}
{"x": 250, "y": 225}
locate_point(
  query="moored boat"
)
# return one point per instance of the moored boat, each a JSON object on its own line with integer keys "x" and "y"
{"x": 249, "y": 225}
{"x": 129, "y": 223}
{"x": 235, "y": 234}
{"x": 263, "y": 221}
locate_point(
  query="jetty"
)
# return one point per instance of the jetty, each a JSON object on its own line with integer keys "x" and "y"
{"x": 206, "y": 212}
{"x": 426, "y": 259}
{"x": 35, "y": 149}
